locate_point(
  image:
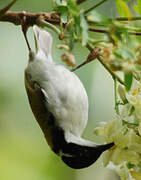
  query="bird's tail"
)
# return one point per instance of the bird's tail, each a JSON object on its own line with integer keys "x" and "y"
{"x": 43, "y": 40}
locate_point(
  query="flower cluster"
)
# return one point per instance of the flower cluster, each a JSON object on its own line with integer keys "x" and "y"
{"x": 125, "y": 132}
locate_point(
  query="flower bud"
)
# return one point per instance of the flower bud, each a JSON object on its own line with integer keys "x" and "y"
{"x": 68, "y": 58}
{"x": 122, "y": 94}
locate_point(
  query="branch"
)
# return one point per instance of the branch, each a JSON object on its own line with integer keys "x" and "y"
{"x": 106, "y": 31}
{"x": 48, "y": 19}
{"x": 98, "y": 30}
{"x": 94, "y": 53}
{"x": 6, "y": 8}
{"x": 114, "y": 76}
{"x": 135, "y": 33}
{"x": 128, "y": 18}
{"x": 16, "y": 17}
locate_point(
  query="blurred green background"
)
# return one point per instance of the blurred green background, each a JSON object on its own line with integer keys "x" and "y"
{"x": 24, "y": 153}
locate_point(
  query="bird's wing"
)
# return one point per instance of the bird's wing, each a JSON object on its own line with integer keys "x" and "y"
{"x": 37, "y": 99}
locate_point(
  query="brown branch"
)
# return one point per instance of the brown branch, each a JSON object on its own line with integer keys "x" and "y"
{"x": 135, "y": 33}
{"x": 16, "y": 17}
{"x": 94, "y": 53}
{"x": 98, "y": 30}
{"x": 6, "y": 8}
{"x": 106, "y": 31}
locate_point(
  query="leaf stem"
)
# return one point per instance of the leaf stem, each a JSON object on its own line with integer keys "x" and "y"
{"x": 95, "y": 6}
{"x": 41, "y": 22}
{"x": 114, "y": 76}
{"x": 116, "y": 96}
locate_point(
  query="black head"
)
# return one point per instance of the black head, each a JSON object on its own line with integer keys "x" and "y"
{"x": 77, "y": 156}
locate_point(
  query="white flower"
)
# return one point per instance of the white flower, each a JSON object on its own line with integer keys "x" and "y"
{"x": 125, "y": 132}
{"x": 122, "y": 171}
{"x": 134, "y": 98}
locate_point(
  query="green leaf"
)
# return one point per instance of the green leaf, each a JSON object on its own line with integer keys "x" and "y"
{"x": 129, "y": 124}
{"x": 71, "y": 37}
{"x": 124, "y": 53}
{"x": 126, "y": 0}
{"x": 73, "y": 8}
{"x": 97, "y": 17}
{"x": 84, "y": 27}
{"x": 137, "y": 7}
{"x": 77, "y": 28}
{"x": 130, "y": 165}
{"x": 128, "y": 78}
{"x": 63, "y": 10}
{"x": 123, "y": 9}
{"x": 132, "y": 110}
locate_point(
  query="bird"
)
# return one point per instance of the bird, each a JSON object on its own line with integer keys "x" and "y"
{"x": 59, "y": 103}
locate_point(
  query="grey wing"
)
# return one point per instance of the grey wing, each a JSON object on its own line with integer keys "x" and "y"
{"x": 38, "y": 103}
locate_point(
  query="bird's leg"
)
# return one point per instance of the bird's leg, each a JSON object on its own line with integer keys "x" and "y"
{"x": 92, "y": 56}
{"x": 24, "y": 30}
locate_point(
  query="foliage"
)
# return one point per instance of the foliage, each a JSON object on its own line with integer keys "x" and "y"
{"x": 120, "y": 52}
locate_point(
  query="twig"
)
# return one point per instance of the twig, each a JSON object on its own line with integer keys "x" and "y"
{"x": 89, "y": 46}
{"x": 106, "y": 31}
{"x": 135, "y": 33}
{"x": 6, "y": 8}
{"x": 98, "y": 30}
{"x": 16, "y": 17}
{"x": 95, "y": 6}
{"x": 114, "y": 76}
{"x": 92, "y": 56}
{"x": 111, "y": 72}
{"x": 128, "y": 18}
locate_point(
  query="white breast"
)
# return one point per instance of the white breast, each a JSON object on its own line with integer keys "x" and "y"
{"x": 65, "y": 95}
